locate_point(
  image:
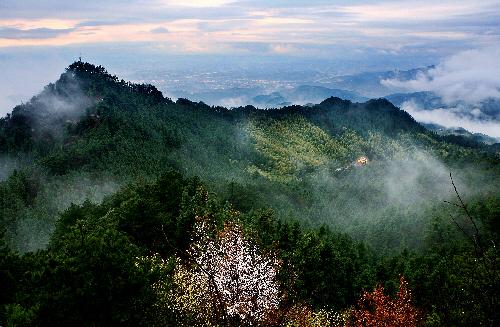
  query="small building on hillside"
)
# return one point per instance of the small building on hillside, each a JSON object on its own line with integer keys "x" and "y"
{"x": 361, "y": 161}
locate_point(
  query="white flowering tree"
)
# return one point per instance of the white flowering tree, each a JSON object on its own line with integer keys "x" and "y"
{"x": 226, "y": 278}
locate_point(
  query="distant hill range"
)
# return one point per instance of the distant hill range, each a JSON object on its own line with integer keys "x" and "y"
{"x": 368, "y": 83}
{"x": 303, "y": 94}
{"x": 356, "y": 88}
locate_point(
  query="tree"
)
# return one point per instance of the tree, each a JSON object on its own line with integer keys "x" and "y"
{"x": 91, "y": 278}
{"x": 378, "y": 310}
{"x": 225, "y": 279}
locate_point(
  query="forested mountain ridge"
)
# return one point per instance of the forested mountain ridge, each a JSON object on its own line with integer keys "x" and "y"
{"x": 88, "y": 103}
{"x": 85, "y": 91}
{"x": 89, "y": 134}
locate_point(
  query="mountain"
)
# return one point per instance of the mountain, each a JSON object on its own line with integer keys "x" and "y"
{"x": 369, "y": 83}
{"x": 91, "y": 127}
{"x": 258, "y": 97}
{"x": 228, "y": 97}
{"x": 303, "y": 94}
{"x": 272, "y": 100}
{"x": 462, "y": 132}
{"x": 487, "y": 110}
{"x": 238, "y": 88}
{"x": 425, "y": 100}
{"x": 111, "y": 182}
{"x": 433, "y": 110}
{"x": 316, "y": 94}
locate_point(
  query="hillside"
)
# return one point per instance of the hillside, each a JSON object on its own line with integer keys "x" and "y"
{"x": 90, "y": 136}
{"x": 92, "y": 126}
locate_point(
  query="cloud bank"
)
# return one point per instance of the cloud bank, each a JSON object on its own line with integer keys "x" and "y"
{"x": 469, "y": 77}
{"x": 468, "y": 84}
{"x": 454, "y": 117}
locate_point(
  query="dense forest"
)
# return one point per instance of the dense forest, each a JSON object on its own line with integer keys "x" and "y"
{"x": 119, "y": 206}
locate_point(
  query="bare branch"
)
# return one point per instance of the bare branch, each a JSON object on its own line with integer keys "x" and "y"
{"x": 476, "y": 237}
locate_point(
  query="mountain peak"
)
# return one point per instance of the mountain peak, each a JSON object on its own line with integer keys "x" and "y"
{"x": 85, "y": 69}
{"x": 335, "y": 101}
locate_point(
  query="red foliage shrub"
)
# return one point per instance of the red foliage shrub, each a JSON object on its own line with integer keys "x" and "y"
{"x": 379, "y": 310}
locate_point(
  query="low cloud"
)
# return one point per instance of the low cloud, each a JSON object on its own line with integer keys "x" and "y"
{"x": 417, "y": 179}
{"x": 459, "y": 116}
{"x": 233, "y": 102}
{"x": 7, "y": 166}
{"x": 24, "y": 75}
{"x": 34, "y": 227}
{"x": 65, "y": 102}
{"x": 468, "y": 77}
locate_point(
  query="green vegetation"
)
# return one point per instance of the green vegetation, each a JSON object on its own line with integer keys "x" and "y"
{"x": 99, "y": 217}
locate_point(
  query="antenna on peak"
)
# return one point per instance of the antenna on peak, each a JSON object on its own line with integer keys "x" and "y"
{"x": 80, "y": 57}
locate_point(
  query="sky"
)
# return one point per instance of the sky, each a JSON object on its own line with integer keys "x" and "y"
{"x": 307, "y": 27}
{"x": 38, "y": 38}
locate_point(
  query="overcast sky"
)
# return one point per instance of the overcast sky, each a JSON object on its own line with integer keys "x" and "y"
{"x": 38, "y": 38}
{"x": 280, "y": 26}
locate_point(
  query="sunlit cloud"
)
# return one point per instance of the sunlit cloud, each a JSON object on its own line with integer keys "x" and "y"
{"x": 389, "y": 26}
{"x": 413, "y": 10}
{"x": 393, "y": 33}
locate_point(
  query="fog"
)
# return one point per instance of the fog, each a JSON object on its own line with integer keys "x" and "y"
{"x": 459, "y": 116}
{"x": 55, "y": 107}
{"x": 49, "y": 112}
{"x": 7, "y": 166}
{"x": 33, "y": 229}
{"x": 468, "y": 84}
{"x": 470, "y": 76}
{"x": 416, "y": 180}
{"x": 391, "y": 198}
{"x": 23, "y": 77}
